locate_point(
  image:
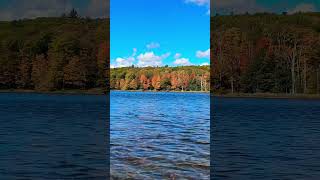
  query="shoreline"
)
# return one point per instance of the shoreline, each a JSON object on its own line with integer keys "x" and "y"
{"x": 270, "y": 96}
{"x": 150, "y": 91}
{"x": 100, "y": 91}
{"x": 95, "y": 91}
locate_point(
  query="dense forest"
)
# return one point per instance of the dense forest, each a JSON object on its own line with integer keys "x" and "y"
{"x": 47, "y": 54}
{"x": 266, "y": 53}
{"x": 187, "y": 78}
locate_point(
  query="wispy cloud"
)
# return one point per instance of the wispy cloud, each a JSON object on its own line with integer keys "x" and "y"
{"x": 177, "y": 55}
{"x": 199, "y": 2}
{"x": 203, "y": 54}
{"x": 205, "y": 3}
{"x": 153, "y": 45}
{"x": 182, "y": 62}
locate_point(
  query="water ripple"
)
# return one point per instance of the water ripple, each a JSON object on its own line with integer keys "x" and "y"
{"x": 160, "y": 135}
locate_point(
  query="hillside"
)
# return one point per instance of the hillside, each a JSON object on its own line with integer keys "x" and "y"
{"x": 47, "y": 54}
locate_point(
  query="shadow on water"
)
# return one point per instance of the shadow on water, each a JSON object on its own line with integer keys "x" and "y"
{"x": 265, "y": 138}
{"x": 52, "y": 136}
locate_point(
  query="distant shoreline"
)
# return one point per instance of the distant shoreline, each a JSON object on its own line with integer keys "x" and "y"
{"x": 89, "y": 91}
{"x": 269, "y": 96}
{"x": 95, "y": 91}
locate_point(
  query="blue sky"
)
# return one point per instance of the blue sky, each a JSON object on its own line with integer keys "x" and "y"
{"x": 159, "y": 32}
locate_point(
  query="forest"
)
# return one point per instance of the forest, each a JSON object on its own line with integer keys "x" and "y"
{"x": 72, "y": 52}
{"x": 265, "y": 53}
{"x": 187, "y": 78}
{"x": 48, "y": 54}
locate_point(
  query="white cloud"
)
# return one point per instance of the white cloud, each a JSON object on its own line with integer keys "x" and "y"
{"x": 199, "y": 2}
{"x": 208, "y": 12}
{"x": 134, "y": 52}
{"x": 125, "y": 61}
{"x": 164, "y": 56}
{"x": 153, "y": 45}
{"x": 304, "y": 7}
{"x": 203, "y": 54}
{"x": 151, "y": 59}
{"x": 182, "y": 62}
{"x": 177, "y": 55}
{"x": 205, "y": 64}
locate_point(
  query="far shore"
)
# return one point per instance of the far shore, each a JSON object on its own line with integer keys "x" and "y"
{"x": 269, "y": 96}
{"x": 95, "y": 91}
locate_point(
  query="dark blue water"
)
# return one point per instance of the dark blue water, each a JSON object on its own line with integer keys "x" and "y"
{"x": 53, "y": 136}
{"x": 266, "y": 138}
{"x": 160, "y": 135}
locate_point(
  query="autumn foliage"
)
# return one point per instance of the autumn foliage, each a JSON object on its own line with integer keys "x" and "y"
{"x": 268, "y": 53}
{"x": 189, "y": 78}
{"x": 54, "y": 53}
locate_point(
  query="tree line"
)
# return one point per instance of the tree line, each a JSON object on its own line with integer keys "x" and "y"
{"x": 188, "y": 78}
{"x": 67, "y": 52}
{"x": 268, "y": 53}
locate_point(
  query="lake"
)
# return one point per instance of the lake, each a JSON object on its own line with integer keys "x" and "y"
{"x": 265, "y": 138}
{"x": 160, "y": 135}
{"x": 50, "y": 136}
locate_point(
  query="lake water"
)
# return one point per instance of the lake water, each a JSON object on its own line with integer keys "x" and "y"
{"x": 53, "y": 136}
{"x": 160, "y": 135}
{"x": 265, "y": 138}
{"x": 157, "y": 136}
